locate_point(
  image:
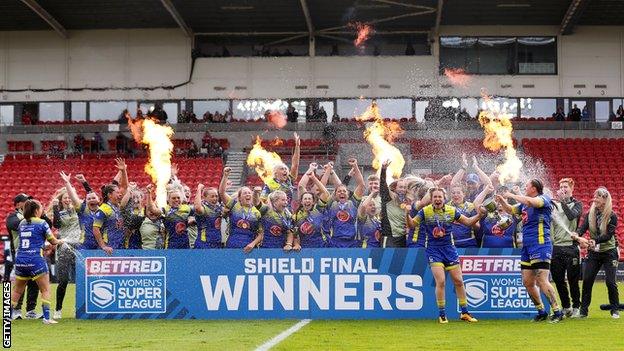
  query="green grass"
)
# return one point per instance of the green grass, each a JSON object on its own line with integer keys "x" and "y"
{"x": 599, "y": 332}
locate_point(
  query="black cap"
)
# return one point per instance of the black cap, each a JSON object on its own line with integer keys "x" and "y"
{"x": 21, "y": 198}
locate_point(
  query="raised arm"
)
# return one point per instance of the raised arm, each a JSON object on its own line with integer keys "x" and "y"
{"x": 506, "y": 206}
{"x": 327, "y": 173}
{"x": 223, "y": 185}
{"x": 485, "y": 179}
{"x": 364, "y": 204}
{"x": 81, "y": 178}
{"x": 324, "y": 193}
{"x": 294, "y": 167}
{"x": 359, "y": 179}
{"x": 199, "y": 207}
{"x": 459, "y": 176}
{"x": 120, "y": 164}
{"x": 443, "y": 180}
{"x": 536, "y": 202}
{"x": 70, "y": 190}
{"x": 151, "y": 206}
{"x": 487, "y": 190}
{"x": 127, "y": 195}
{"x": 470, "y": 221}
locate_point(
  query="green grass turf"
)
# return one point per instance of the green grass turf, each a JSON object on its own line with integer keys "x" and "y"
{"x": 599, "y": 332}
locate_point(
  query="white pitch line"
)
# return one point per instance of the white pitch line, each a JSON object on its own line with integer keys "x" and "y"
{"x": 283, "y": 335}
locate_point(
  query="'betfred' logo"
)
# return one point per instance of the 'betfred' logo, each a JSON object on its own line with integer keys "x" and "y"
{"x": 124, "y": 266}
{"x": 490, "y": 264}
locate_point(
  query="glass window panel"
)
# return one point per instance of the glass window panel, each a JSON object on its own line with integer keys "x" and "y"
{"x": 328, "y": 106}
{"x": 51, "y": 112}
{"x": 253, "y": 110}
{"x": 496, "y": 55}
{"x": 351, "y": 108}
{"x": 395, "y": 108}
{"x": 106, "y": 110}
{"x": 537, "y": 55}
{"x": 7, "y": 115}
{"x": 616, "y": 104}
{"x": 535, "y": 108}
{"x": 471, "y": 105}
{"x": 200, "y": 107}
{"x": 566, "y": 106}
{"x": 420, "y": 110}
{"x": 78, "y": 111}
{"x": 602, "y": 111}
{"x": 171, "y": 108}
{"x": 506, "y": 105}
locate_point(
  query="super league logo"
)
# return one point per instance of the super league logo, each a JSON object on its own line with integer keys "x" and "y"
{"x": 476, "y": 291}
{"x": 102, "y": 293}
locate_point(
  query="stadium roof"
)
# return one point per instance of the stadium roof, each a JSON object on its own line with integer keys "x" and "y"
{"x": 245, "y": 17}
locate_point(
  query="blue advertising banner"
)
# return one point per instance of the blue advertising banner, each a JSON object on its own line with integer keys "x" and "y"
{"x": 271, "y": 284}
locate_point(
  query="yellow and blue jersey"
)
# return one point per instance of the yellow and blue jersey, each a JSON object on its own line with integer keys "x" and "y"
{"x": 369, "y": 230}
{"x": 286, "y": 186}
{"x": 108, "y": 219}
{"x": 275, "y": 226}
{"x": 32, "y": 237}
{"x": 309, "y": 225}
{"x": 464, "y": 236}
{"x": 209, "y": 227}
{"x": 415, "y": 236}
{"x": 437, "y": 224}
{"x": 86, "y": 218}
{"x": 491, "y": 239}
{"x": 175, "y": 220}
{"x": 244, "y": 224}
{"x": 342, "y": 218}
{"x": 535, "y": 222}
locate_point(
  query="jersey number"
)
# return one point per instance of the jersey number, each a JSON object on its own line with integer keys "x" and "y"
{"x": 25, "y": 243}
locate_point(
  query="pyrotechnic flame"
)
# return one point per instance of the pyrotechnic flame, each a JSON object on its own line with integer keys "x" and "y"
{"x": 364, "y": 31}
{"x": 498, "y": 130}
{"x": 158, "y": 139}
{"x": 379, "y": 135}
{"x": 276, "y": 118}
{"x": 263, "y": 161}
{"x": 457, "y": 76}
{"x": 277, "y": 142}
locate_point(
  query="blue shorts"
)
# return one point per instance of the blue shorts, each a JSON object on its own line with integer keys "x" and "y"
{"x": 344, "y": 243}
{"x": 30, "y": 267}
{"x": 536, "y": 256}
{"x": 443, "y": 256}
{"x": 466, "y": 242}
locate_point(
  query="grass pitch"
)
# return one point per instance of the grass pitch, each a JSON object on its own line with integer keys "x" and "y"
{"x": 598, "y": 332}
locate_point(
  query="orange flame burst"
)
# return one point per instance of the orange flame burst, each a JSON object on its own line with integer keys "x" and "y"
{"x": 364, "y": 31}
{"x": 498, "y": 130}
{"x": 457, "y": 76}
{"x": 276, "y": 118}
{"x": 277, "y": 142}
{"x": 263, "y": 161}
{"x": 158, "y": 139}
{"x": 380, "y": 135}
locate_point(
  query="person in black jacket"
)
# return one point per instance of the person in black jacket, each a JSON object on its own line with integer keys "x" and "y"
{"x": 12, "y": 223}
{"x": 601, "y": 223}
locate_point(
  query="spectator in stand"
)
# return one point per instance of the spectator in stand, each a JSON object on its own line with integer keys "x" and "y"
{"x": 208, "y": 117}
{"x": 79, "y": 143}
{"x": 215, "y": 150}
{"x": 98, "y": 142}
{"x": 409, "y": 50}
{"x": 159, "y": 114}
{"x": 183, "y": 117}
{"x": 121, "y": 143}
{"x": 320, "y": 114}
{"x": 575, "y": 114}
{"x": 124, "y": 117}
{"x": 193, "y": 149}
{"x": 585, "y": 115}
{"x": 291, "y": 114}
{"x": 620, "y": 113}
{"x": 26, "y": 118}
{"x": 139, "y": 114}
{"x": 559, "y": 115}
{"x": 206, "y": 140}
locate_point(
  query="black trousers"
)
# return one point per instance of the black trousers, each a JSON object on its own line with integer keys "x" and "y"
{"x": 66, "y": 273}
{"x": 594, "y": 262}
{"x": 567, "y": 260}
{"x": 393, "y": 241}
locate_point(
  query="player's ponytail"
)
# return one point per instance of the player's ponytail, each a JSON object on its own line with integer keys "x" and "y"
{"x": 106, "y": 191}
{"x": 30, "y": 209}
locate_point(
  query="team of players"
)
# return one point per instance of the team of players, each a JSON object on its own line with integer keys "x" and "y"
{"x": 412, "y": 209}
